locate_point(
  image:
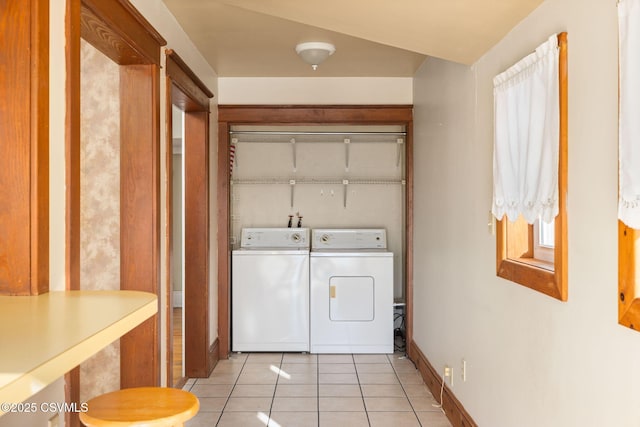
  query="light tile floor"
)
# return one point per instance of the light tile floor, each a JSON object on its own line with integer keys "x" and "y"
{"x": 326, "y": 390}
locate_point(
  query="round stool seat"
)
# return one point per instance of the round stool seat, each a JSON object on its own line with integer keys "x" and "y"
{"x": 143, "y": 406}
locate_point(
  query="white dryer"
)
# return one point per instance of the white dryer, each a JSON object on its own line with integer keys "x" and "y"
{"x": 351, "y": 278}
{"x": 270, "y": 290}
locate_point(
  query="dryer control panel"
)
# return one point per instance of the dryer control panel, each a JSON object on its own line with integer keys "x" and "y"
{"x": 349, "y": 238}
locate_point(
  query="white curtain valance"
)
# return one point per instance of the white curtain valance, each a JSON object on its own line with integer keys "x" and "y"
{"x": 526, "y": 137}
{"x": 629, "y": 119}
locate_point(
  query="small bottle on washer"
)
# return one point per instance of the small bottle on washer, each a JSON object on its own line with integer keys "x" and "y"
{"x": 299, "y": 221}
{"x": 290, "y": 224}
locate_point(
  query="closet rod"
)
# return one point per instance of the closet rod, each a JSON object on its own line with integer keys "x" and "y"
{"x": 292, "y": 133}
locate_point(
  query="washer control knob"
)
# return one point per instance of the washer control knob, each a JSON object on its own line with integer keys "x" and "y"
{"x": 324, "y": 238}
{"x": 296, "y": 237}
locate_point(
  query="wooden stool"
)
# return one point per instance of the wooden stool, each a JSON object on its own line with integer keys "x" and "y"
{"x": 143, "y": 406}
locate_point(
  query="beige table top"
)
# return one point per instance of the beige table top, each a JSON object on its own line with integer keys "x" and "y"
{"x": 43, "y": 337}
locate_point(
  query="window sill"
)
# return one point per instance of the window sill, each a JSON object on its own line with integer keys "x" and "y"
{"x": 538, "y": 263}
{"x": 535, "y": 276}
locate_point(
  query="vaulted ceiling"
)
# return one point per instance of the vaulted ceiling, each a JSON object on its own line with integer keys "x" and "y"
{"x": 379, "y": 38}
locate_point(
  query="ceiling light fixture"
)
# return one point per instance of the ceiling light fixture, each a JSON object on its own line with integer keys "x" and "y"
{"x": 315, "y": 53}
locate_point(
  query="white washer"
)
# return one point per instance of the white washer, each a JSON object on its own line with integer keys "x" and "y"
{"x": 351, "y": 274}
{"x": 270, "y": 290}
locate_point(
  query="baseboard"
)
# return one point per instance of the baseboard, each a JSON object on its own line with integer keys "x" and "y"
{"x": 214, "y": 354}
{"x": 180, "y": 382}
{"x": 458, "y": 416}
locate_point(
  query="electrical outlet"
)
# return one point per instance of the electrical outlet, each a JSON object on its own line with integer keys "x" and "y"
{"x": 463, "y": 371}
{"x": 448, "y": 372}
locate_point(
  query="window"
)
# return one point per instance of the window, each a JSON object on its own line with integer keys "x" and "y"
{"x": 535, "y": 255}
{"x": 544, "y": 242}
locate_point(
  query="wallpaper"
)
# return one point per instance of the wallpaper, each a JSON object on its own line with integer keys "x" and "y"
{"x": 99, "y": 202}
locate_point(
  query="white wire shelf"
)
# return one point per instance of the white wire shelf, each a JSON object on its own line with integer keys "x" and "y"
{"x": 326, "y": 181}
{"x": 346, "y": 138}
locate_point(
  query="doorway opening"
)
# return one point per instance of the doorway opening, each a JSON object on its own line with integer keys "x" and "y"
{"x": 177, "y": 233}
{"x": 187, "y": 233}
{"x": 234, "y": 118}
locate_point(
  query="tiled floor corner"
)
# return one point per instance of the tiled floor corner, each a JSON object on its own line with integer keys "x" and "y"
{"x": 326, "y": 390}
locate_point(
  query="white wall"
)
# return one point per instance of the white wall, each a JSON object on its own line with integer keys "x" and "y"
{"x": 315, "y": 91}
{"x": 532, "y": 360}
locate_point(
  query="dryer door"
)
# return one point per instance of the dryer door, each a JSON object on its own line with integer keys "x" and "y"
{"x": 351, "y": 298}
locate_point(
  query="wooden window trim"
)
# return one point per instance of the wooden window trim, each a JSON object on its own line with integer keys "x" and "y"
{"x": 531, "y": 273}
{"x": 628, "y": 298}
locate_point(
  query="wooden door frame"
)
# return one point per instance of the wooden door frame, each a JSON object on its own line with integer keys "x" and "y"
{"x": 120, "y": 32}
{"x": 24, "y": 167}
{"x": 229, "y": 115}
{"x": 191, "y": 95}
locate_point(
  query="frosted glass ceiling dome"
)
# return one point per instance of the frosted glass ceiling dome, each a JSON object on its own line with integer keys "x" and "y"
{"x": 315, "y": 53}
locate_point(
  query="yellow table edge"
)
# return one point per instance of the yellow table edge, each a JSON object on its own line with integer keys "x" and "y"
{"x": 144, "y": 305}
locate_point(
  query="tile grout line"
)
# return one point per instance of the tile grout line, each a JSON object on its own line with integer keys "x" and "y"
{"x": 232, "y": 388}
{"x": 405, "y": 391}
{"x": 364, "y": 403}
{"x": 318, "y": 387}
{"x": 273, "y": 397}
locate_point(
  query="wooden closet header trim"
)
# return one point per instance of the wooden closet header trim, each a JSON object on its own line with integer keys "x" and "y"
{"x": 118, "y": 30}
{"x": 307, "y": 114}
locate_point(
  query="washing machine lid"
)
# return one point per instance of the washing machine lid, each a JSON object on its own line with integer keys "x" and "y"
{"x": 270, "y": 251}
{"x": 351, "y": 253}
{"x": 348, "y": 238}
{"x": 274, "y": 238}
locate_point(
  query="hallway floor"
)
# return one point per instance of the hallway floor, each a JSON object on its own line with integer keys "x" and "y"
{"x": 300, "y": 390}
